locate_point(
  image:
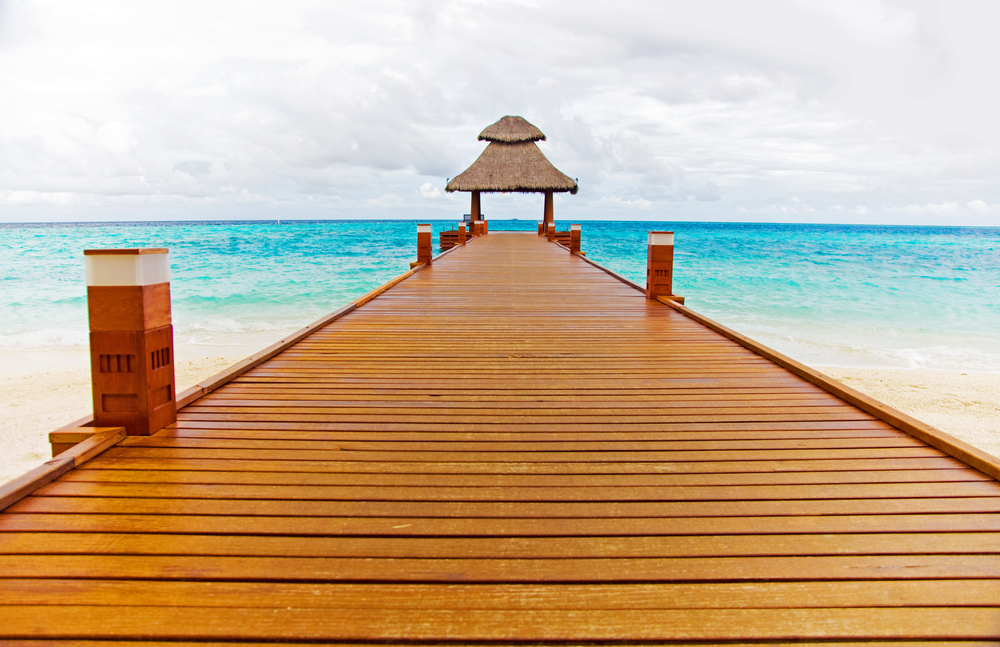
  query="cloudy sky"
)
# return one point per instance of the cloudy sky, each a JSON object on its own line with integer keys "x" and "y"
{"x": 877, "y": 111}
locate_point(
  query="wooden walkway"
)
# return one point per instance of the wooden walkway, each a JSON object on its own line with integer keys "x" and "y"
{"x": 510, "y": 446}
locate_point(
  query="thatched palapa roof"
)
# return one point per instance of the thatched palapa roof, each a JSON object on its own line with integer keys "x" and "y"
{"x": 512, "y": 163}
{"x": 511, "y": 130}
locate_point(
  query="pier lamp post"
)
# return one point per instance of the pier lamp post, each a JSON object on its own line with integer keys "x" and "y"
{"x": 660, "y": 266}
{"x": 423, "y": 245}
{"x": 131, "y": 339}
{"x": 574, "y": 239}
{"x": 550, "y": 231}
{"x": 541, "y": 228}
{"x": 462, "y": 235}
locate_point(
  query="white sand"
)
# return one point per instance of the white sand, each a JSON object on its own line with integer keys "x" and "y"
{"x": 35, "y": 403}
{"x": 965, "y": 405}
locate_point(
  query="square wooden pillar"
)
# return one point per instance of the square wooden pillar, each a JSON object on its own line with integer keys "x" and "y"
{"x": 574, "y": 239}
{"x": 131, "y": 339}
{"x": 659, "y": 264}
{"x": 424, "y": 244}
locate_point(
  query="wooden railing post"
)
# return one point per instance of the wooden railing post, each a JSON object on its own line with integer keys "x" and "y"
{"x": 550, "y": 231}
{"x": 574, "y": 239}
{"x": 131, "y": 339}
{"x": 486, "y": 227}
{"x": 424, "y": 244}
{"x": 461, "y": 233}
{"x": 541, "y": 228}
{"x": 660, "y": 264}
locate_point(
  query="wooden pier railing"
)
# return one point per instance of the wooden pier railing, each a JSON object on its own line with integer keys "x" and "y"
{"x": 511, "y": 445}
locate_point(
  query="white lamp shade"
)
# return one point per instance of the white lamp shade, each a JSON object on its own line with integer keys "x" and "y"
{"x": 118, "y": 268}
{"x": 661, "y": 238}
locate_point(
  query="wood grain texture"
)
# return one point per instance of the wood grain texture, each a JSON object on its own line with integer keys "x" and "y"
{"x": 580, "y": 465}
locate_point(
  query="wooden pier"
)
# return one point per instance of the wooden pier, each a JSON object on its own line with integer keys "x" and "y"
{"x": 514, "y": 446}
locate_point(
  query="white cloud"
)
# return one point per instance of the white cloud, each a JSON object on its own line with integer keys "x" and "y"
{"x": 387, "y": 200}
{"x": 429, "y": 192}
{"x": 320, "y": 110}
{"x": 979, "y": 206}
{"x": 943, "y": 209}
{"x": 872, "y": 21}
{"x": 793, "y": 206}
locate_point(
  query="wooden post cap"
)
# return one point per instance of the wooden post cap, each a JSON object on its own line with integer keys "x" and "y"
{"x": 661, "y": 238}
{"x": 118, "y": 267}
{"x": 574, "y": 227}
{"x": 423, "y": 229}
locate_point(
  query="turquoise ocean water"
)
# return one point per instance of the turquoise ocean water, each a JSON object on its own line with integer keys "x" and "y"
{"x": 851, "y": 295}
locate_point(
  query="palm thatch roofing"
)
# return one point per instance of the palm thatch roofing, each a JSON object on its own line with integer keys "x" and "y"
{"x": 511, "y": 130}
{"x": 512, "y": 163}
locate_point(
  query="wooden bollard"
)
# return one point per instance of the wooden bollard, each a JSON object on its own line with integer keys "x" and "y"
{"x": 462, "y": 235}
{"x": 660, "y": 265}
{"x": 486, "y": 226}
{"x": 574, "y": 239}
{"x": 423, "y": 245}
{"x": 550, "y": 231}
{"x": 131, "y": 339}
{"x": 541, "y": 229}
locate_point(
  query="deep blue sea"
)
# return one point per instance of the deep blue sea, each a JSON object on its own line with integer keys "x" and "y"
{"x": 840, "y": 295}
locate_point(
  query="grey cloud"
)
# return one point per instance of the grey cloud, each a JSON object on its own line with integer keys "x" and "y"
{"x": 717, "y": 104}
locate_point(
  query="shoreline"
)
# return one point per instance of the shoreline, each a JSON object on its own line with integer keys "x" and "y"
{"x": 964, "y": 404}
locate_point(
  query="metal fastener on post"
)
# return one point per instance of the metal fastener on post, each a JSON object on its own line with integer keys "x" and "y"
{"x": 659, "y": 264}
{"x": 131, "y": 339}
{"x": 462, "y": 234}
{"x": 423, "y": 245}
{"x": 574, "y": 239}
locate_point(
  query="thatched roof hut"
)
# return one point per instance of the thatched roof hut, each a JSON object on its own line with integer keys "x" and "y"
{"x": 512, "y": 163}
{"x": 511, "y": 130}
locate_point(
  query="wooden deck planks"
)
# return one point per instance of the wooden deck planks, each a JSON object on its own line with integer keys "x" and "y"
{"x": 510, "y": 446}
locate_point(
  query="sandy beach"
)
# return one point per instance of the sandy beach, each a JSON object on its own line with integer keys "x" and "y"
{"x": 965, "y": 405}
{"x": 37, "y": 402}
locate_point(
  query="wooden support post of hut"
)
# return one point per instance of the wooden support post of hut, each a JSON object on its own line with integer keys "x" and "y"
{"x": 476, "y": 210}
{"x": 513, "y": 163}
{"x": 131, "y": 339}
